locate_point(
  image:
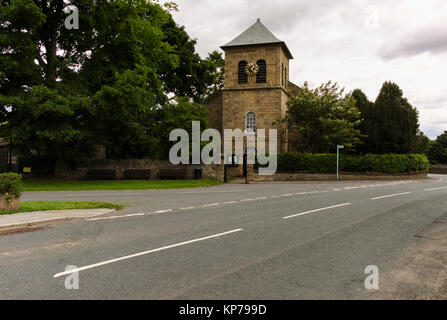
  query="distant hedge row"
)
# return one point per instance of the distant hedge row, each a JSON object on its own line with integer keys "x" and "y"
{"x": 369, "y": 163}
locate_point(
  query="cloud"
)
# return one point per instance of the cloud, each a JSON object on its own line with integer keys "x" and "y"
{"x": 432, "y": 39}
{"x": 352, "y": 42}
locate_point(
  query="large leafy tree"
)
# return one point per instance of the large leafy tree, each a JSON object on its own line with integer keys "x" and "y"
{"x": 322, "y": 118}
{"x": 193, "y": 76}
{"x": 63, "y": 91}
{"x": 179, "y": 114}
{"x": 438, "y": 149}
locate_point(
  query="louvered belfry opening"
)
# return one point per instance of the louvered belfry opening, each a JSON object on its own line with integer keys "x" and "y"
{"x": 242, "y": 75}
{"x": 261, "y": 77}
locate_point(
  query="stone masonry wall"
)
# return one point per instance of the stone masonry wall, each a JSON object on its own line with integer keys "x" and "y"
{"x": 120, "y": 165}
{"x": 438, "y": 169}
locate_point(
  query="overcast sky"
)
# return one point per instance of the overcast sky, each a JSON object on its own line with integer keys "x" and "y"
{"x": 357, "y": 43}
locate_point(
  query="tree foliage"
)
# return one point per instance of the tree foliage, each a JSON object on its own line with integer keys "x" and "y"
{"x": 391, "y": 123}
{"x": 63, "y": 91}
{"x": 438, "y": 149}
{"x": 323, "y": 118}
{"x": 179, "y": 115}
{"x": 193, "y": 76}
{"x": 421, "y": 144}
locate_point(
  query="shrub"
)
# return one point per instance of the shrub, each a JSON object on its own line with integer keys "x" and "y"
{"x": 371, "y": 163}
{"x": 10, "y": 183}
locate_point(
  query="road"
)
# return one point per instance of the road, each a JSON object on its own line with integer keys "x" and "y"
{"x": 259, "y": 241}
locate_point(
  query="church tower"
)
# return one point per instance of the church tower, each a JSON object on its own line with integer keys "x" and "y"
{"x": 256, "y": 83}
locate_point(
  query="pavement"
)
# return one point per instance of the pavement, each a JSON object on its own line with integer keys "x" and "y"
{"x": 291, "y": 240}
{"x": 17, "y": 220}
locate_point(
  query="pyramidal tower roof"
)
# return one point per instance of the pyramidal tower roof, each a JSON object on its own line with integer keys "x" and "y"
{"x": 257, "y": 34}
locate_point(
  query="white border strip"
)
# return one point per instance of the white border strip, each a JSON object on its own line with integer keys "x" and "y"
{"x": 91, "y": 266}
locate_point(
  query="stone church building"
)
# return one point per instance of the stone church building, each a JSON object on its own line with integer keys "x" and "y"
{"x": 257, "y": 84}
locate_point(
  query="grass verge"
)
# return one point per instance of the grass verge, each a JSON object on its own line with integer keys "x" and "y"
{"x": 29, "y": 206}
{"x": 77, "y": 185}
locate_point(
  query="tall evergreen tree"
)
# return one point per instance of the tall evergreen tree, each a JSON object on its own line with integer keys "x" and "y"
{"x": 391, "y": 123}
{"x": 366, "y": 109}
{"x": 396, "y": 119}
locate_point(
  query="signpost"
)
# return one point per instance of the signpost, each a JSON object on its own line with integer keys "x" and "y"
{"x": 248, "y": 151}
{"x": 338, "y": 157}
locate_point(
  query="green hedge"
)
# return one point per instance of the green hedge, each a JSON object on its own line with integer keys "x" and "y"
{"x": 370, "y": 163}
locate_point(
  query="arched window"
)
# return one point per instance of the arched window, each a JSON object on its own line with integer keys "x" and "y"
{"x": 242, "y": 76}
{"x": 261, "y": 77}
{"x": 250, "y": 122}
{"x": 285, "y": 77}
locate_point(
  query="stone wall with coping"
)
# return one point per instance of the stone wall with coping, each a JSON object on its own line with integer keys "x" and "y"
{"x": 120, "y": 165}
{"x": 438, "y": 169}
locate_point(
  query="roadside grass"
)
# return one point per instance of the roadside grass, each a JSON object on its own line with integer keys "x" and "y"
{"x": 29, "y": 206}
{"x": 77, "y": 185}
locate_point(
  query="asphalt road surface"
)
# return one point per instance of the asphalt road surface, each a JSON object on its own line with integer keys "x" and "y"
{"x": 259, "y": 241}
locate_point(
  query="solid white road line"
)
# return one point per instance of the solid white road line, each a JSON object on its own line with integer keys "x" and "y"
{"x": 316, "y": 210}
{"x": 433, "y": 189}
{"x": 91, "y": 266}
{"x": 391, "y": 195}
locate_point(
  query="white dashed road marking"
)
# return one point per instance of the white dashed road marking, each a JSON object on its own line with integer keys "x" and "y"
{"x": 391, "y": 195}
{"x": 91, "y": 266}
{"x": 433, "y": 189}
{"x": 163, "y": 211}
{"x": 210, "y": 205}
{"x": 220, "y": 191}
{"x": 264, "y": 198}
{"x": 316, "y": 210}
